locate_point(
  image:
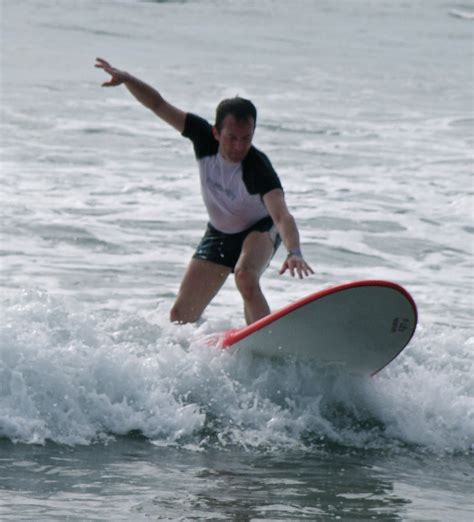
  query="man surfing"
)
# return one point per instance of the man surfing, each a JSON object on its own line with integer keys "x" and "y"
{"x": 248, "y": 216}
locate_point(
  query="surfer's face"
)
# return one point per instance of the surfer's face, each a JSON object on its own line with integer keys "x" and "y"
{"x": 235, "y": 138}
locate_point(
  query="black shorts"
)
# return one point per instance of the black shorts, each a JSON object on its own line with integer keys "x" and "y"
{"x": 225, "y": 249}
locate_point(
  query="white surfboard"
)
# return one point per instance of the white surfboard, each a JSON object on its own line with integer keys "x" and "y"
{"x": 359, "y": 326}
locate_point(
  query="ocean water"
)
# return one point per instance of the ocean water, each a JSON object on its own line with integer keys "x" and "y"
{"x": 107, "y": 411}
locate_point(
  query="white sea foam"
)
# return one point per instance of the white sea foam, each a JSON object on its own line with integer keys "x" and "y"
{"x": 75, "y": 377}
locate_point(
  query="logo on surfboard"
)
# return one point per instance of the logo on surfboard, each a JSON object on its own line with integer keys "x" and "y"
{"x": 400, "y": 324}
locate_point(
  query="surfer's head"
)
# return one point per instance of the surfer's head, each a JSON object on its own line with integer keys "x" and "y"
{"x": 234, "y": 127}
{"x": 241, "y": 109}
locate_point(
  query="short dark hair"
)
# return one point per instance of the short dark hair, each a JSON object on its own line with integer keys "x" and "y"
{"x": 240, "y": 108}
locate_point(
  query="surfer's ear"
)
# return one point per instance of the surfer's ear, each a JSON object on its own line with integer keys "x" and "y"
{"x": 215, "y": 132}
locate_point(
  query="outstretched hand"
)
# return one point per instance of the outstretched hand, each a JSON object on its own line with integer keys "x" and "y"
{"x": 117, "y": 76}
{"x": 296, "y": 265}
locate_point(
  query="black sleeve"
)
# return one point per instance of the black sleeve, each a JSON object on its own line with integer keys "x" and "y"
{"x": 258, "y": 173}
{"x": 199, "y": 131}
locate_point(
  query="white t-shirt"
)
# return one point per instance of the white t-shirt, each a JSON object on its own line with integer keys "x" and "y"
{"x": 232, "y": 192}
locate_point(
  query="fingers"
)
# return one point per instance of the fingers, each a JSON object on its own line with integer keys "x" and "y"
{"x": 300, "y": 267}
{"x": 304, "y": 270}
{"x": 103, "y": 64}
{"x": 100, "y": 62}
{"x": 297, "y": 267}
{"x": 117, "y": 77}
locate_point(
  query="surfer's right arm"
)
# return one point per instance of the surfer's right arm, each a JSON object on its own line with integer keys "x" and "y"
{"x": 145, "y": 94}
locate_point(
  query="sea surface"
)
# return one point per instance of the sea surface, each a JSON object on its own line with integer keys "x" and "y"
{"x": 108, "y": 411}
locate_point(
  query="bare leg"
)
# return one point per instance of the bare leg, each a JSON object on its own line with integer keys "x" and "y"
{"x": 201, "y": 282}
{"x": 257, "y": 251}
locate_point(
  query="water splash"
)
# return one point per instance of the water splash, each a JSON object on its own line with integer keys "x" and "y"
{"x": 77, "y": 377}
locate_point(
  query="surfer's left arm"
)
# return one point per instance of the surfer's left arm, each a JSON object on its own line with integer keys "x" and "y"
{"x": 286, "y": 225}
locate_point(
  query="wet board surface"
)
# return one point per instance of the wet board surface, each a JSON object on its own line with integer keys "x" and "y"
{"x": 361, "y": 326}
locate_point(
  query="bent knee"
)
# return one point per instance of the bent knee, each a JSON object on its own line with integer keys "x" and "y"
{"x": 247, "y": 282}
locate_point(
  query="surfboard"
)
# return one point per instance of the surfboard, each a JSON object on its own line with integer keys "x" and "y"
{"x": 360, "y": 326}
